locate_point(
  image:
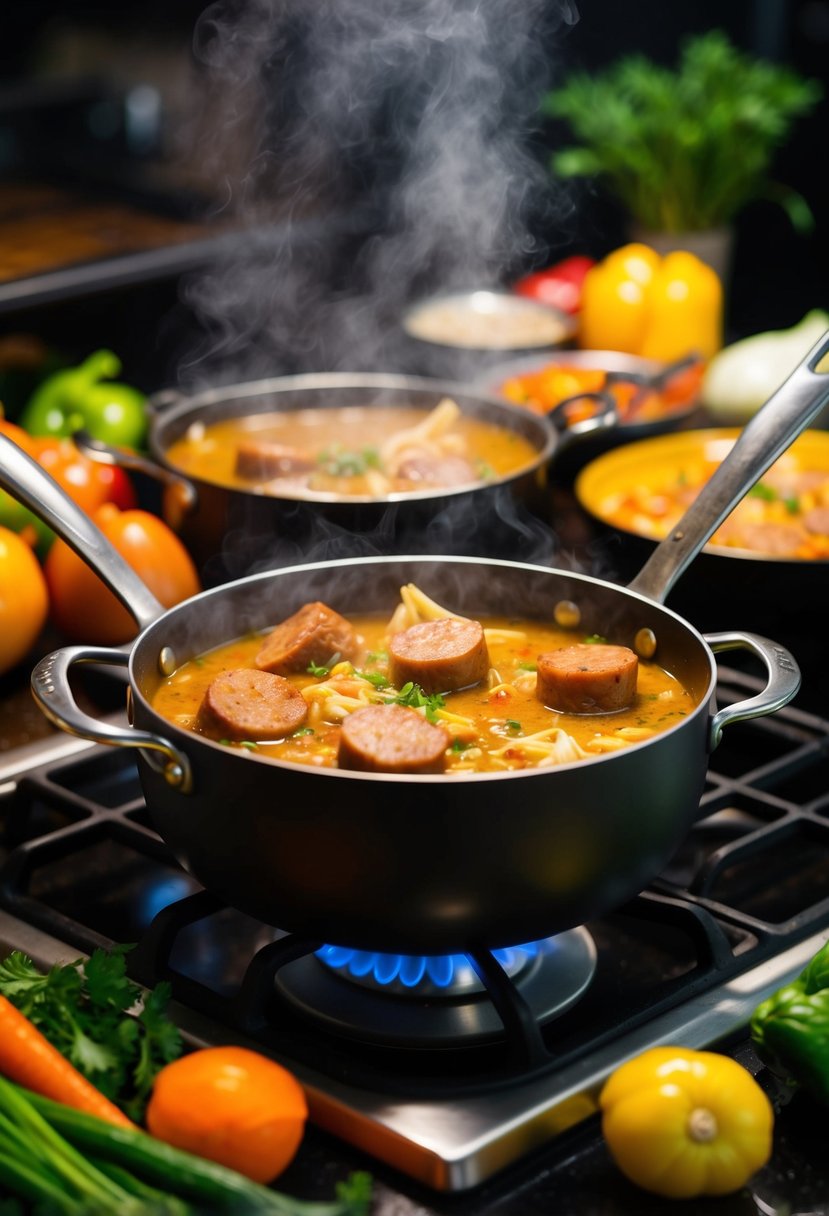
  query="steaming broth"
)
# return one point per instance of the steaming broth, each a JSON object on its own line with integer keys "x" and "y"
{"x": 367, "y": 451}
{"x": 495, "y": 726}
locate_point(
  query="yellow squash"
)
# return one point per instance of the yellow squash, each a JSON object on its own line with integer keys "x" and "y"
{"x": 682, "y": 1123}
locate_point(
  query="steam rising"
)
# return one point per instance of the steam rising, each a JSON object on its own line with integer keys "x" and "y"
{"x": 379, "y": 150}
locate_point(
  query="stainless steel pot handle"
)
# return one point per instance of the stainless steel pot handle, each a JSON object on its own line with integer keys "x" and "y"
{"x": 605, "y": 417}
{"x": 29, "y": 483}
{"x": 52, "y": 691}
{"x": 104, "y": 453}
{"x": 783, "y": 680}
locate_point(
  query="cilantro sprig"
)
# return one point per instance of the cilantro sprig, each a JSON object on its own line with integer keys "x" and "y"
{"x": 115, "y": 1034}
{"x": 412, "y": 695}
{"x": 340, "y": 462}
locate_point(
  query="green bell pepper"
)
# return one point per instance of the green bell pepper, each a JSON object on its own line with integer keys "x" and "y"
{"x": 80, "y": 398}
{"x": 791, "y": 1029}
{"x": 17, "y": 518}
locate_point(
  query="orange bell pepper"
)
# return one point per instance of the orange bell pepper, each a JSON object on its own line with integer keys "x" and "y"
{"x": 659, "y": 307}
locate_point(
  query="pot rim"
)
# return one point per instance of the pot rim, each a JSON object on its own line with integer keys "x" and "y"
{"x": 185, "y": 738}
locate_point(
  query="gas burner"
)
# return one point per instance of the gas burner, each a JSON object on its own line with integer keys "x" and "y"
{"x": 443, "y": 975}
{"x": 449, "y": 1007}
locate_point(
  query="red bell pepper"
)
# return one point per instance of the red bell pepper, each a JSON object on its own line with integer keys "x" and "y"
{"x": 558, "y": 286}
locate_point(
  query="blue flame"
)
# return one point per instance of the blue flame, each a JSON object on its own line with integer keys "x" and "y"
{"x": 410, "y": 970}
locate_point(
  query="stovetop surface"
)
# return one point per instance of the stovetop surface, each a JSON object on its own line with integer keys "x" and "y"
{"x": 741, "y": 907}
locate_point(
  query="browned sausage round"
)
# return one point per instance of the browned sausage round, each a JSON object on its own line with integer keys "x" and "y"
{"x": 440, "y": 655}
{"x": 259, "y": 460}
{"x": 315, "y": 634}
{"x": 391, "y": 739}
{"x": 437, "y": 470}
{"x": 587, "y": 679}
{"x": 246, "y": 704}
{"x": 817, "y": 521}
{"x": 773, "y": 539}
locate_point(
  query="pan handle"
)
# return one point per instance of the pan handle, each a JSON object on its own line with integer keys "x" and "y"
{"x": 52, "y": 692}
{"x": 29, "y": 483}
{"x": 107, "y": 454}
{"x": 783, "y": 680}
{"x": 604, "y": 417}
{"x": 766, "y": 436}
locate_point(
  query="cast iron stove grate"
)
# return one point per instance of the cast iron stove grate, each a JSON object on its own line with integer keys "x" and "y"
{"x": 82, "y": 864}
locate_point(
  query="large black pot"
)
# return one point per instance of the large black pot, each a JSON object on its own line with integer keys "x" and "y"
{"x": 425, "y": 864}
{"x": 233, "y": 532}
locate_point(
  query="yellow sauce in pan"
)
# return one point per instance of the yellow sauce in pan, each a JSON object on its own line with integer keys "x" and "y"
{"x": 346, "y": 446}
{"x": 499, "y": 725}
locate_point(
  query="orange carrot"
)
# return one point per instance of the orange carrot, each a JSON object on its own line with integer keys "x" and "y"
{"x": 27, "y": 1057}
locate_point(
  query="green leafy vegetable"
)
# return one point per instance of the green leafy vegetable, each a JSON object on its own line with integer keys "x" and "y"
{"x": 339, "y": 462}
{"x": 515, "y": 728}
{"x": 68, "y": 1163}
{"x": 595, "y": 639}
{"x": 374, "y": 677}
{"x": 412, "y": 694}
{"x": 766, "y": 493}
{"x": 791, "y": 1029}
{"x": 666, "y": 142}
{"x": 117, "y": 1035}
{"x": 318, "y": 672}
{"x": 459, "y": 745}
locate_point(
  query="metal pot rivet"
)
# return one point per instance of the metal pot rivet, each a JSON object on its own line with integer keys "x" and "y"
{"x": 166, "y": 661}
{"x": 567, "y": 614}
{"x": 645, "y": 643}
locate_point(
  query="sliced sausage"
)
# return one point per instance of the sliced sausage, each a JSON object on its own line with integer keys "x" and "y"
{"x": 247, "y": 704}
{"x": 391, "y": 739}
{"x": 440, "y": 655}
{"x": 775, "y": 540}
{"x": 816, "y": 521}
{"x": 437, "y": 470}
{"x": 261, "y": 460}
{"x": 315, "y": 634}
{"x": 587, "y": 678}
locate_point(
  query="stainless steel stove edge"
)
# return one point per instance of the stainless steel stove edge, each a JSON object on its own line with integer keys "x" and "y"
{"x": 455, "y": 1144}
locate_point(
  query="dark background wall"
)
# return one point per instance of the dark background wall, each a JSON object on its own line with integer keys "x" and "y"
{"x": 778, "y": 274}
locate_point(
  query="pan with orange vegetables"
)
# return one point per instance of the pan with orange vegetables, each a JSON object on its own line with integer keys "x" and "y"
{"x": 648, "y": 396}
{"x": 451, "y": 856}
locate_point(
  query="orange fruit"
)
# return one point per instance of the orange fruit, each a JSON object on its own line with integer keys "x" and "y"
{"x": 230, "y": 1105}
{"x": 24, "y": 599}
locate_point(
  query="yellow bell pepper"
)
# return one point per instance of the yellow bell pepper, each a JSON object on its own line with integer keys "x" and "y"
{"x": 682, "y": 1123}
{"x": 659, "y": 307}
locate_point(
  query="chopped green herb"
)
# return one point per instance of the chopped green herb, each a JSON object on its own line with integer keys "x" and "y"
{"x": 763, "y": 491}
{"x": 303, "y": 730}
{"x": 515, "y": 728}
{"x": 412, "y": 694}
{"x": 339, "y": 462}
{"x": 374, "y": 677}
{"x": 595, "y": 639}
{"x": 377, "y": 656}
{"x": 249, "y": 744}
{"x": 318, "y": 672}
{"x": 525, "y": 665}
{"x": 485, "y": 471}
{"x": 792, "y": 505}
{"x": 459, "y": 745}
